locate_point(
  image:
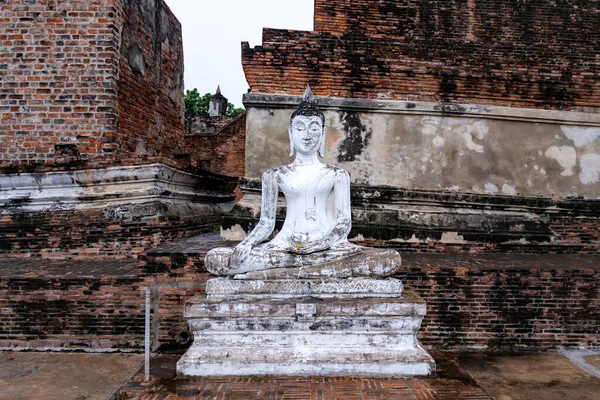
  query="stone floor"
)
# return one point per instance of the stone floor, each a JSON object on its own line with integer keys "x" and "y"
{"x": 81, "y": 376}
{"x": 548, "y": 376}
{"x": 61, "y": 376}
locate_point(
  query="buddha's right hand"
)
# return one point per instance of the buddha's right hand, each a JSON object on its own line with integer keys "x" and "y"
{"x": 313, "y": 247}
{"x": 240, "y": 254}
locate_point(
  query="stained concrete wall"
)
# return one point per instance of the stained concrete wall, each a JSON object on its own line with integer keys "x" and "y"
{"x": 464, "y": 148}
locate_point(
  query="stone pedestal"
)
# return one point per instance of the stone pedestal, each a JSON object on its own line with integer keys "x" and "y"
{"x": 346, "y": 327}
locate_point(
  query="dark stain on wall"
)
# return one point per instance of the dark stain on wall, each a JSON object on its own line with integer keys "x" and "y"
{"x": 357, "y": 137}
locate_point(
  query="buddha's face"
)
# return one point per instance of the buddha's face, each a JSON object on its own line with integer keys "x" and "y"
{"x": 305, "y": 133}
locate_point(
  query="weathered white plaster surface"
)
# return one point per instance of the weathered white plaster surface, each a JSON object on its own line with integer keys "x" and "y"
{"x": 434, "y": 146}
{"x": 116, "y": 189}
{"x": 590, "y": 169}
{"x": 306, "y": 336}
{"x": 581, "y": 136}
{"x": 566, "y": 156}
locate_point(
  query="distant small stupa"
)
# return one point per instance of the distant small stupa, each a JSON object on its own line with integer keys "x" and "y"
{"x": 218, "y": 104}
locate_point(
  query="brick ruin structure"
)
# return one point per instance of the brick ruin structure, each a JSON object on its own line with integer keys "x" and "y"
{"x": 470, "y": 130}
{"x": 89, "y": 82}
{"x": 217, "y": 142}
{"x": 94, "y": 169}
{"x": 92, "y": 119}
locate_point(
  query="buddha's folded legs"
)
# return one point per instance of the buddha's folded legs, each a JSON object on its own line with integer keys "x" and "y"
{"x": 269, "y": 263}
{"x": 368, "y": 263}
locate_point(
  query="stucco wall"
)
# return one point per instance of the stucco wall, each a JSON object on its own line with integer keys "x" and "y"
{"x": 465, "y": 148}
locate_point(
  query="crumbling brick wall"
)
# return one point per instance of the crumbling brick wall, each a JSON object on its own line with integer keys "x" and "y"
{"x": 90, "y": 306}
{"x": 222, "y": 152}
{"x": 150, "y": 85}
{"x": 68, "y": 91}
{"x": 532, "y": 53}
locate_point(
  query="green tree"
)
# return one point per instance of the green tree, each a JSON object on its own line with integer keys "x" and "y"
{"x": 197, "y": 106}
{"x": 233, "y": 110}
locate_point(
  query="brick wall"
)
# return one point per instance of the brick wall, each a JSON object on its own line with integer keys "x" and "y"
{"x": 474, "y": 302}
{"x": 225, "y": 151}
{"x": 85, "y": 234}
{"x": 85, "y": 305}
{"x": 500, "y": 302}
{"x": 58, "y": 69}
{"x": 68, "y": 91}
{"x": 511, "y": 302}
{"x": 533, "y": 53}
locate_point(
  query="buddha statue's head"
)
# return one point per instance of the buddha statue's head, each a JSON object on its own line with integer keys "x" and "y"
{"x": 307, "y": 127}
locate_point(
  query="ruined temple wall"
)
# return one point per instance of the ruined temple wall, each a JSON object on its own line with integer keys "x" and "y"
{"x": 91, "y": 132}
{"x": 222, "y": 152}
{"x": 527, "y": 54}
{"x": 150, "y": 85}
{"x": 429, "y": 177}
{"x": 70, "y": 88}
{"x": 481, "y": 116}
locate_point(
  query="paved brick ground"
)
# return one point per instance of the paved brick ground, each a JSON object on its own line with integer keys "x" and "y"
{"x": 449, "y": 383}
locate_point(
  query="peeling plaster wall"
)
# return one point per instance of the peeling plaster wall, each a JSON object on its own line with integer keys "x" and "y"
{"x": 475, "y": 149}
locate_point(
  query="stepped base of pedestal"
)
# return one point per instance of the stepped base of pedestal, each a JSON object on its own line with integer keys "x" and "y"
{"x": 306, "y": 361}
{"x": 306, "y": 336}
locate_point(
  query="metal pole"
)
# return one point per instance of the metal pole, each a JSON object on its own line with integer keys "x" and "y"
{"x": 147, "y": 338}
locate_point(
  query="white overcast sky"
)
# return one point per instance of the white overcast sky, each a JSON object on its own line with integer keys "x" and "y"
{"x": 214, "y": 29}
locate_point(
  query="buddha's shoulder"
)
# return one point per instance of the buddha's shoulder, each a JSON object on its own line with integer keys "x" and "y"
{"x": 273, "y": 172}
{"x": 337, "y": 170}
{"x": 286, "y": 169}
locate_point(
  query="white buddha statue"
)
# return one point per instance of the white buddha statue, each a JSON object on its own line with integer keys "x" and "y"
{"x": 314, "y": 239}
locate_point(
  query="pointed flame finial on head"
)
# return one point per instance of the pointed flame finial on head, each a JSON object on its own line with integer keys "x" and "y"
{"x": 218, "y": 89}
{"x": 308, "y": 96}
{"x": 308, "y": 106}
